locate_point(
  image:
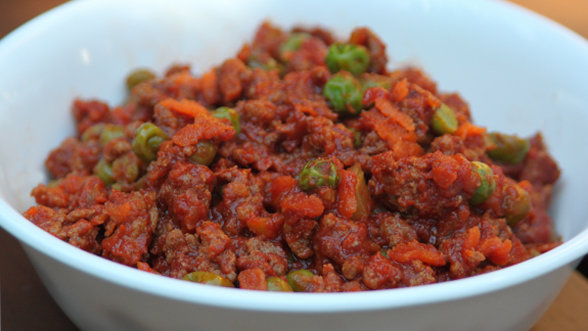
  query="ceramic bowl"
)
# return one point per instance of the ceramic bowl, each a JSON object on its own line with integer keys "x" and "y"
{"x": 519, "y": 71}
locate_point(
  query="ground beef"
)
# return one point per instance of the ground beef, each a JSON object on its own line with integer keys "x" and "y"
{"x": 266, "y": 172}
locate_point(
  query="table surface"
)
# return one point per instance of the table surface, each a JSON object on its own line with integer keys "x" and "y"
{"x": 23, "y": 295}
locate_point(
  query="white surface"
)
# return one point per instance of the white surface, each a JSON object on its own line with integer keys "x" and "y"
{"x": 519, "y": 72}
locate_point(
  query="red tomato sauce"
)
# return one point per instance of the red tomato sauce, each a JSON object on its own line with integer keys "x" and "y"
{"x": 303, "y": 163}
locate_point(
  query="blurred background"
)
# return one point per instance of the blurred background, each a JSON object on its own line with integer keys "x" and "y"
{"x": 26, "y": 305}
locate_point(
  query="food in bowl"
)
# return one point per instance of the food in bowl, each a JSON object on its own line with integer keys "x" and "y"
{"x": 302, "y": 164}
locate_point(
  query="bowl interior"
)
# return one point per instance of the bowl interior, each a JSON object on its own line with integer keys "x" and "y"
{"x": 519, "y": 72}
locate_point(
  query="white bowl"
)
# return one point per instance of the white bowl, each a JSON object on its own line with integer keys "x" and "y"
{"x": 519, "y": 72}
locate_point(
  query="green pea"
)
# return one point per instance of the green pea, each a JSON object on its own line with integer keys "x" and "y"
{"x": 93, "y": 132}
{"x": 487, "y": 183}
{"x": 299, "y": 279}
{"x": 444, "y": 120}
{"x": 374, "y": 80}
{"x": 318, "y": 173}
{"x": 110, "y": 132}
{"x": 266, "y": 62}
{"x": 229, "y": 114}
{"x": 269, "y": 64}
{"x": 278, "y": 284}
{"x": 103, "y": 170}
{"x": 208, "y": 278}
{"x": 516, "y": 204}
{"x": 348, "y": 57}
{"x": 356, "y": 138}
{"x": 508, "y": 148}
{"x": 148, "y": 139}
{"x": 344, "y": 93}
{"x": 205, "y": 153}
{"x": 292, "y": 44}
{"x": 139, "y": 76}
{"x": 384, "y": 252}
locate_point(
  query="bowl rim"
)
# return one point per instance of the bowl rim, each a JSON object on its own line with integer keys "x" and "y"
{"x": 112, "y": 272}
{"x": 175, "y": 289}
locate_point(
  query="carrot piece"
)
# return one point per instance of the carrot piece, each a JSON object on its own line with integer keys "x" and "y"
{"x": 193, "y": 133}
{"x": 472, "y": 239}
{"x": 347, "y": 203}
{"x": 496, "y": 250}
{"x": 210, "y": 92}
{"x": 400, "y": 90}
{"x": 205, "y": 127}
{"x": 145, "y": 267}
{"x": 302, "y": 205}
{"x": 391, "y": 111}
{"x": 252, "y": 279}
{"x": 185, "y": 106}
{"x": 467, "y": 129}
{"x": 415, "y": 250}
{"x": 279, "y": 187}
{"x": 305, "y": 108}
{"x": 266, "y": 227}
{"x": 374, "y": 93}
{"x": 398, "y": 139}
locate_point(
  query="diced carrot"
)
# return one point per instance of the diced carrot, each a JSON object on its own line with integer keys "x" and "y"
{"x": 210, "y": 92}
{"x": 359, "y": 36}
{"x": 305, "y": 108}
{"x": 252, "y": 279}
{"x": 346, "y": 202}
{"x": 374, "y": 93}
{"x": 469, "y": 252}
{"x": 185, "y": 106}
{"x": 205, "y": 127}
{"x": 398, "y": 139}
{"x": 145, "y": 267}
{"x": 185, "y": 79}
{"x": 302, "y": 205}
{"x": 244, "y": 53}
{"x": 403, "y": 148}
{"x": 279, "y": 187}
{"x": 266, "y": 227}
{"x": 391, "y": 111}
{"x": 467, "y": 129}
{"x": 445, "y": 173}
{"x": 496, "y": 250}
{"x": 400, "y": 90}
{"x": 417, "y": 251}
{"x": 473, "y": 238}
